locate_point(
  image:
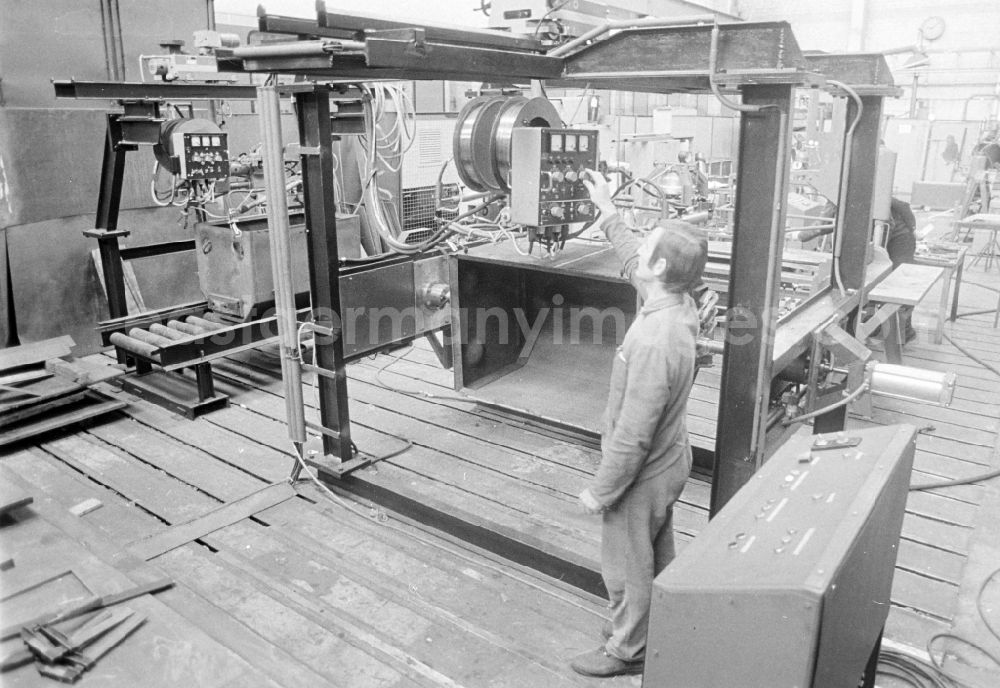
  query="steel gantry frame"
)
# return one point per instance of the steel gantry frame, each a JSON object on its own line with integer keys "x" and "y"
{"x": 760, "y": 61}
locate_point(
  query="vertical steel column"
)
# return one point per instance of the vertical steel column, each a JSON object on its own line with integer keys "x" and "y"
{"x": 316, "y": 139}
{"x": 853, "y": 245}
{"x": 281, "y": 258}
{"x": 106, "y": 226}
{"x": 206, "y": 384}
{"x": 755, "y": 271}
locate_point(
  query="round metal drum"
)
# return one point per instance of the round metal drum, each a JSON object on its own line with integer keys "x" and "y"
{"x": 484, "y": 145}
{"x": 517, "y": 112}
{"x": 483, "y": 135}
{"x": 472, "y": 144}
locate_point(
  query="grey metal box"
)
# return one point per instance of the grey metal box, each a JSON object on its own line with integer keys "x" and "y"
{"x": 546, "y": 176}
{"x": 377, "y": 308}
{"x": 393, "y": 303}
{"x": 234, "y": 266}
{"x": 788, "y": 586}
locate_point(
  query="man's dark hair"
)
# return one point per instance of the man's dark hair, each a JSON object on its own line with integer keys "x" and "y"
{"x": 685, "y": 250}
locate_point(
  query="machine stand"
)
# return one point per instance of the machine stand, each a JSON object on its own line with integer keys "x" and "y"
{"x": 181, "y": 395}
{"x": 328, "y": 466}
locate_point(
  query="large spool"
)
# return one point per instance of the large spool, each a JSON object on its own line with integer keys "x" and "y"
{"x": 483, "y": 134}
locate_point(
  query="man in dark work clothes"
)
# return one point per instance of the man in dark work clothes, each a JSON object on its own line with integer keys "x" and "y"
{"x": 901, "y": 244}
{"x": 645, "y": 453}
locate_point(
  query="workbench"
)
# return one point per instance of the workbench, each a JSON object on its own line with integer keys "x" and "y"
{"x": 951, "y": 257}
{"x": 982, "y": 222}
{"x": 907, "y": 285}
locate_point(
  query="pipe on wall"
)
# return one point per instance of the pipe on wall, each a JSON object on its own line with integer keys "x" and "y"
{"x": 856, "y": 32}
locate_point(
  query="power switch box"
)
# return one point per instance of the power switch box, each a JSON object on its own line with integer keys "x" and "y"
{"x": 788, "y": 586}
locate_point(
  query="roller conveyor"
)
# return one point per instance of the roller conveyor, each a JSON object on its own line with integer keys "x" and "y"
{"x": 176, "y": 338}
{"x": 148, "y": 342}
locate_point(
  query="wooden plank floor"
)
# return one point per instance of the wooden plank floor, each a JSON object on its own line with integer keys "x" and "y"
{"x": 310, "y": 592}
{"x": 316, "y": 592}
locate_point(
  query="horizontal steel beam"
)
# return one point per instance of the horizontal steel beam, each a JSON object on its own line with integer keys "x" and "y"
{"x": 403, "y": 59}
{"x": 273, "y": 23}
{"x": 866, "y": 73}
{"x": 522, "y": 548}
{"x": 160, "y": 249}
{"x": 132, "y": 90}
{"x": 480, "y": 62}
{"x": 308, "y": 48}
{"x": 748, "y": 53}
{"x": 459, "y": 35}
{"x": 323, "y": 68}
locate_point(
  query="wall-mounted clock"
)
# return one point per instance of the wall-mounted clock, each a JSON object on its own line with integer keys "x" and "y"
{"x": 932, "y": 28}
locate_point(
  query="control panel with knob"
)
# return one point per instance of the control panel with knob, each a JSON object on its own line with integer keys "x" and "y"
{"x": 546, "y": 176}
{"x": 202, "y": 156}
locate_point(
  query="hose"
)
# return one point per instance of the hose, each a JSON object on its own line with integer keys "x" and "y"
{"x": 862, "y": 388}
{"x": 923, "y": 674}
{"x": 713, "y": 59}
{"x": 838, "y": 240}
{"x": 954, "y": 483}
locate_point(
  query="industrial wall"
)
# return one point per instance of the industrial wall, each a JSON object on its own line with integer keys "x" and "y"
{"x": 953, "y": 46}
{"x": 50, "y": 160}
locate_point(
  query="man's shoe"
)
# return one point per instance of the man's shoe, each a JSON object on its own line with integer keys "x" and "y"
{"x": 607, "y": 630}
{"x": 599, "y": 663}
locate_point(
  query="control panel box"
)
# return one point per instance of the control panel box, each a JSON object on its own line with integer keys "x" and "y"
{"x": 546, "y": 176}
{"x": 202, "y": 156}
{"x": 788, "y": 586}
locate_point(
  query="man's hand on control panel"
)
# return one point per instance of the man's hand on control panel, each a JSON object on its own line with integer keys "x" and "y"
{"x": 600, "y": 192}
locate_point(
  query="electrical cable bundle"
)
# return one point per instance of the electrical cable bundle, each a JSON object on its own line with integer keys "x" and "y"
{"x": 178, "y": 194}
{"x": 933, "y": 674}
{"x": 387, "y": 147}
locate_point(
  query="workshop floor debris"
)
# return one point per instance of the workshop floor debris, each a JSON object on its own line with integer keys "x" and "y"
{"x": 41, "y": 391}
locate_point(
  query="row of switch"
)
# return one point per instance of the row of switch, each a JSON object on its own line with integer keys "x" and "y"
{"x": 557, "y": 176}
{"x": 207, "y": 156}
{"x": 559, "y": 212}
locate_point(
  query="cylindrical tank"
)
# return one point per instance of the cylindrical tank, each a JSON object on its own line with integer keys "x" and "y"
{"x": 914, "y": 384}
